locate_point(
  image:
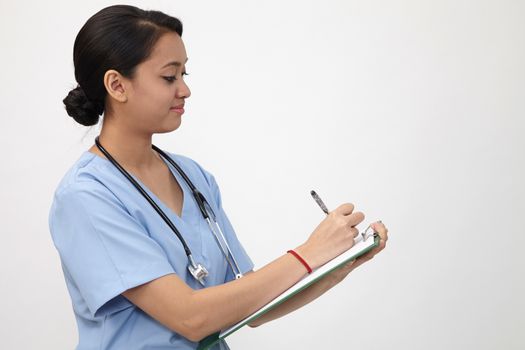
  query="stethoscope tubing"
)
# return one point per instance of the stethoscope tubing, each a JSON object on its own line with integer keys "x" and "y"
{"x": 145, "y": 195}
{"x": 225, "y": 251}
{"x": 199, "y": 198}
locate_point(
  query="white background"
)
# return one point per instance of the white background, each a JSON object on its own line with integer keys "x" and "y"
{"x": 412, "y": 110}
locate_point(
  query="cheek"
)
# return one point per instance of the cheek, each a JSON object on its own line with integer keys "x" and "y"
{"x": 155, "y": 97}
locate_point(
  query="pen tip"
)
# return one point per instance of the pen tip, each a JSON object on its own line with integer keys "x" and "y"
{"x": 312, "y": 192}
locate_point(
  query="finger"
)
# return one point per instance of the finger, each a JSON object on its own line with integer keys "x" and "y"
{"x": 362, "y": 259}
{"x": 380, "y": 247}
{"x": 344, "y": 209}
{"x": 381, "y": 230}
{"x": 369, "y": 255}
{"x": 355, "y": 231}
{"x": 348, "y": 266}
{"x": 355, "y": 218}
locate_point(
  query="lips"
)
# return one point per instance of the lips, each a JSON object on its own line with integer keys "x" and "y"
{"x": 178, "y": 109}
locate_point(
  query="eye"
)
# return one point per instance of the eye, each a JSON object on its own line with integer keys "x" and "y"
{"x": 171, "y": 78}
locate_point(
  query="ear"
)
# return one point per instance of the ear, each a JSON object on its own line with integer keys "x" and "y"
{"x": 115, "y": 85}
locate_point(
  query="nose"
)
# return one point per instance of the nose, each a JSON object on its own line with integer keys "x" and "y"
{"x": 183, "y": 91}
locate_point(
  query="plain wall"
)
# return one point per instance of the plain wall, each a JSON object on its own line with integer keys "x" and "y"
{"x": 412, "y": 110}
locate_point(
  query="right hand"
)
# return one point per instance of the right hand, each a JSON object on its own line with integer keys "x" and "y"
{"x": 333, "y": 236}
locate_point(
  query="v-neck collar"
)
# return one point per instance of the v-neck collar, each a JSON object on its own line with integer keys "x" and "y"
{"x": 182, "y": 184}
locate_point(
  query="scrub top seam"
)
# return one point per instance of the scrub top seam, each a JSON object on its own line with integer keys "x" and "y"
{"x": 79, "y": 181}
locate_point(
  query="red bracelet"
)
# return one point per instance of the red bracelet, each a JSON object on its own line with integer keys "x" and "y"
{"x": 301, "y": 260}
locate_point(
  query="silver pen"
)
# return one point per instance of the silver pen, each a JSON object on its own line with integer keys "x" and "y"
{"x": 319, "y": 201}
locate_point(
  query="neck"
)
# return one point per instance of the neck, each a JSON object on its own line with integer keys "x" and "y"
{"x": 130, "y": 149}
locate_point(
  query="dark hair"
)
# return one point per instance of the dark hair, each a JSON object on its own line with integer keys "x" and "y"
{"x": 117, "y": 37}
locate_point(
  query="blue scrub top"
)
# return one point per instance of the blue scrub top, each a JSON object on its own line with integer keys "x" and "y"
{"x": 110, "y": 239}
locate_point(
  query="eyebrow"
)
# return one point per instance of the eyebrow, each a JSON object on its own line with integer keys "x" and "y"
{"x": 175, "y": 63}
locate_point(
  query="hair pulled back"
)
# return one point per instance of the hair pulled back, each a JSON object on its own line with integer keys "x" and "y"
{"x": 117, "y": 37}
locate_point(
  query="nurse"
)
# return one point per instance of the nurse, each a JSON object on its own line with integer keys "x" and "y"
{"x": 125, "y": 270}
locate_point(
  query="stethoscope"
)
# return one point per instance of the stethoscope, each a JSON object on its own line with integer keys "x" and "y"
{"x": 196, "y": 269}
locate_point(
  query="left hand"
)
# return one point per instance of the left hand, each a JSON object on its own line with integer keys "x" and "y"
{"x": 339, "y": 274}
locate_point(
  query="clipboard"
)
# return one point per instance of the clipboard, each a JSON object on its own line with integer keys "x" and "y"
{"x": 362, "y": 244}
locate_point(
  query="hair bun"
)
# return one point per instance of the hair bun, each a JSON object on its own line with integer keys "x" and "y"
{"x": 81, "y": 108}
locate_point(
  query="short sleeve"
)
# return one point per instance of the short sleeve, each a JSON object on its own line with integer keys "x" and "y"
{"x": 104, "y": 249}
{"x": 242, "y": 258}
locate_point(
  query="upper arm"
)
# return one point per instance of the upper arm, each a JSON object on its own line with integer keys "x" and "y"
{"x": 167, "y": 299}
{"x": 103, "y": 249}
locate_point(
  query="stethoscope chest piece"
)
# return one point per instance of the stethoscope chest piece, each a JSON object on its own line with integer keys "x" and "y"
{"x": 198, "y": 271}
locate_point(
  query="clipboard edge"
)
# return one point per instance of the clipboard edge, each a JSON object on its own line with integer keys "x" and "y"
{"x": 257, "y": 315}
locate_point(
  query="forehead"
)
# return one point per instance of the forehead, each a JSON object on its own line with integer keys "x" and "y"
{"x": 168, "y": 48}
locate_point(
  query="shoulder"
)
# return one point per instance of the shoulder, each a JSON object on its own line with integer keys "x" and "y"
{"x": 85, "y": 172}
{"x": 86, "y": 184}
{"x": 88, "y": 197}
{"x": 95, "y": 177}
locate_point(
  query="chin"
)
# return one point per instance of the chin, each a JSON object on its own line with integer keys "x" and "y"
{"x": 169, "y": 127}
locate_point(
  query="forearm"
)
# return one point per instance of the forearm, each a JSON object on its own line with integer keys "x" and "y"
{"x": 317, "y": 289}
{"x": 224, "y": 305}
{"x": 300, "y": 299}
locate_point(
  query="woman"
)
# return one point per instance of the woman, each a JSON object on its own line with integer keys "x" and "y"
{"x": 131, "y": 281}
